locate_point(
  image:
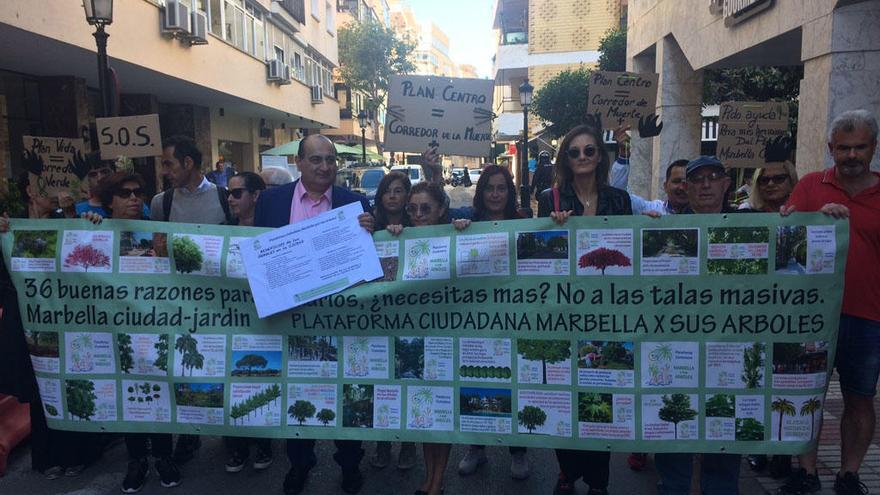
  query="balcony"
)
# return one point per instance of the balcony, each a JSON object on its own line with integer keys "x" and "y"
{"x": 509, "y": 57}
{"x": 296, "y": 9}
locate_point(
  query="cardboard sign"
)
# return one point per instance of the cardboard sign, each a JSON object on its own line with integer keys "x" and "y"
{"x": 622, "y": 97}
{"x": 131, "y": 137}
{"x": 455, "y": 115}
{"x": 55, "y": 165}
{"x": 744, "y": 127}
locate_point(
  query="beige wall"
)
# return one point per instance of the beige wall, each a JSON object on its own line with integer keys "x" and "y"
{"x": 136, "y": 22}
{"x": 570, "y": 25}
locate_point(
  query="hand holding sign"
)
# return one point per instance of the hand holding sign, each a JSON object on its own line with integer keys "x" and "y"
{"x": 649, "y": 127}
{"x": 778, "y": 149}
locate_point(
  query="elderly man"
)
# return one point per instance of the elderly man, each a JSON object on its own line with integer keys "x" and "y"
{"x": 849, "y": 190}
{"x": 311, "y": 195}
{"x": 276, "y": 176}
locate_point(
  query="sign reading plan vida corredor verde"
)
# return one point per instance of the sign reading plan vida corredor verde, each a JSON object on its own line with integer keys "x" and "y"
{"x": 716, "y": 332}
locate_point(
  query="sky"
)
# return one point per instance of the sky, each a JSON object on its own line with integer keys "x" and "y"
{"x": 468, "y": 23}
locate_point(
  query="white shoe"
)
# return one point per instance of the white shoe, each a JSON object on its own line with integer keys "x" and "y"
{"x": 519, "y": 466}
{"x": 475, "y": 457}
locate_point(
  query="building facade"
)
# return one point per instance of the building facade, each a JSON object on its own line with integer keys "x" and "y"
{"x": 836, "y": 41}
{"x": 240, "y": 76}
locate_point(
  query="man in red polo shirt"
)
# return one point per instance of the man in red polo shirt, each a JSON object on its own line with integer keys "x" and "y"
{"x": 850, "y": 190}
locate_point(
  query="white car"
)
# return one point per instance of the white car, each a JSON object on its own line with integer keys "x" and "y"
{"x": 414, "y": 172}
{"x": 475, "y": 175}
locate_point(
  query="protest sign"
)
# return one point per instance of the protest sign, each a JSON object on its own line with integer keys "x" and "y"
{"x": 622, "y": 97}
{"x": 606, "y": 334}
{"x": 55, "y": 165}
{"x": 744, "y": 127}
{"x": 132, "y": 137}
{"x": 453, "y": 114}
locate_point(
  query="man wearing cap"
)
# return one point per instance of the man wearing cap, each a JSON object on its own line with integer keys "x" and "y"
{"x": 707, "y": 185}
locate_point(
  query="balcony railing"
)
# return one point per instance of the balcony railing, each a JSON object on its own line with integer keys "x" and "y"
{"x": 297, "y": 9}
{"x": 515, "y": 38}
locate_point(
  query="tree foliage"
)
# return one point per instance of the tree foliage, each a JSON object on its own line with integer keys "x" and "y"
{"x": 531, "y": 417}
{"x": 546, "y": 351}
{"x": 562, "y": 101}
{"x": 369, "y": 54}
{"x": 251, "y": 361}
{"x": 602, "y": 258}
{"x": 811, "y": 407}
{"x": 87, "y": 256}
{"x": 784, "y": 407}
{"x": 676, "y": 408}
{"x": 753, "y": 365}
{"x": 255, "y": 402}
{"x": 161, "y": 347}
{"x": 720, "y": 406}
{"x": 190, "y": 357}
{"x": 188, "y": 257}
{"x": 126, "y": 352}
{"x": 594, "y": 408}
{"x": 612, "y": 50}
{"x": 325, "y": 416}
{"x": 301, "y": 410}
{"x": 755, "y": 84}
{"x": 81, "y": 399}
{"x": 749, "y": 429}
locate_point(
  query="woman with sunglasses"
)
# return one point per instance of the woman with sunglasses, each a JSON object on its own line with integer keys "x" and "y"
{"x": 580, "y": 187}
{"x": 772, "y": 186}
{"x": 244, "y": 189}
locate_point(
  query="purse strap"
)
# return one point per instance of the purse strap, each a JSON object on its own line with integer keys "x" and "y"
{"x": 556, "y": 199}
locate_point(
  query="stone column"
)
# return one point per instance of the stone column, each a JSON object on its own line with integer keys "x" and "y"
{"x": 841, "y": 55}
{"x": 641, "y": 173}
{"x": 679, "y": 104}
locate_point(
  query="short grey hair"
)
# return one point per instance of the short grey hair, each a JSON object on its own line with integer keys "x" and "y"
{"x": 276, "y": 176}
{"x": 849, "y": 121}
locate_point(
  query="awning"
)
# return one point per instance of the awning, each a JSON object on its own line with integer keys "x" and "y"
{"x": 371, "y": 155}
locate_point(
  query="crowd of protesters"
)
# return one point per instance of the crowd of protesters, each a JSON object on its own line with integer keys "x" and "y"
{"x": 580, "y": 181}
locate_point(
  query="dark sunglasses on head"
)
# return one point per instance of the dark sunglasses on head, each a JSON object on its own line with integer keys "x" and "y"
{"x": 124, "y": 192}
{"x": 589, "y": 152}
{"x": 776, "y": 179}
{"x": 236, "y": 193}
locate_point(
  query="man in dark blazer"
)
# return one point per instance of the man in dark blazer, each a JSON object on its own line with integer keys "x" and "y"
{"x": 314, "y": 193}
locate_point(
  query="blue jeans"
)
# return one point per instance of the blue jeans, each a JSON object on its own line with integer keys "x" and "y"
{"x": 858, "y": 355}
{"x": 719, "y": 474}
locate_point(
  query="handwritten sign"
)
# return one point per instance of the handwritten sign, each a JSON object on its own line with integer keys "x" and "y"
{"x": 453, "y": 114}
{"x": 622, "y": 97}
{"x": 55, "y": 165}
{"x": 744, "y": 129}
{"x": 131, "y": 137}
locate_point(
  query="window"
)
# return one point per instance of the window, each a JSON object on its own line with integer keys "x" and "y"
{"x": 279, "y": 53}
{"x": 329, "y": 15}
{"x": 299, "y": 67}
{"x": 216, "y": 17}
{"x": 316, "y": 9}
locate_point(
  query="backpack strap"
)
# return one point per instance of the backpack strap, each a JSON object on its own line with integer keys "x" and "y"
{"x": 223, "y": 196}
{"x": 556, "y": 199}
{"x": 167, "y": 198}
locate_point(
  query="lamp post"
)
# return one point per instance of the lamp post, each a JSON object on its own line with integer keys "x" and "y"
{"x": 525, "y": 99}
{"x": 362, "y": 120}
{"x": 99, "y": 13}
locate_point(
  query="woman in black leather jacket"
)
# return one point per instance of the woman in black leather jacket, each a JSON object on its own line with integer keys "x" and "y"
{"x": 580, "y": 187}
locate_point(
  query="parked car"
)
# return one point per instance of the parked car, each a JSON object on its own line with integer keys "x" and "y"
{"x": 456, "y": 178}
{"x": 474, "y": 174}
{"x": 415, "y": 172}
{"x": 369, "y": 182}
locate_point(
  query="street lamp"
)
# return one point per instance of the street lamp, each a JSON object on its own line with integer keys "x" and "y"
{"x": 525, "y": 99}
{"x": 362, "y": 120}
{"x": 99, "y": 13}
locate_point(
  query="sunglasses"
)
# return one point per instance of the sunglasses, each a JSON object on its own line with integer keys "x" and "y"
{"x": 589, "y": 152}
{"x": 236, "y": 193}
{"x": 422, "y": 209}
{"x": 124, "y": 192}
{"x": 776, "y": 179}
{"x": 711, "y": 177}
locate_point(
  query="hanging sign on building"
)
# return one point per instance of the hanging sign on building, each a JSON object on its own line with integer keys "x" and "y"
{"x": 452, "y": 114}
{"x": 55, "y": 165}
{"x": 131, "y": 137}
{"x": 622, "y": 97}
{"x": 744, "y": 127}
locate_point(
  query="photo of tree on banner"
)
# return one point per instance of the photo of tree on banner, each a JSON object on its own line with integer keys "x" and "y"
{"x": 738, "y": 250}
{"x": 487, "y": 410}
{"x": 544, "y": 412}
{"x": 34, "y": 250}
{"x": 735, "y": 364}
{"x": 312, "y": 404}
{"x": 143, "y": 252}
{"x": 595, "y": 408}
{"x": 544, "y": 361}
{"x": 605, "y": 251}
{"x": 256, "y": 363}
{"x": 720, "y": 417}
{"x": 81, "y": 399}
{"x": 44, "y": 351}
{"x": 188, "y": 257}
{"x": 796, "y": 417}
{"x": 800, "y": 364}
{"x": 409, "y": 358}
{"x": 670, "y": 251}
{"x": 357, "y": 406}
{"x": 605, "y": 364}
{"x": 197, "y": 254}
{"x": 312, "y": 356}
{"x": 669, "y": 417}
{"x": 542, "y": 253}
{"x": 255, "y": 404}
{"x": 791, "y": 249}
{"x": 200, "y": 355}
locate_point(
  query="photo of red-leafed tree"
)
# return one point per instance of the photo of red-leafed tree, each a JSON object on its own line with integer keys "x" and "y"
{"x": 87, "y": 256}
{"x": 602, "y": 258}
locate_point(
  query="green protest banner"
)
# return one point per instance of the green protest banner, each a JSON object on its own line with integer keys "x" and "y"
{"x": 715, "y": 331}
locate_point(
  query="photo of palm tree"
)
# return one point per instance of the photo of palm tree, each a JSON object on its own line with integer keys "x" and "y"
{"x": 782, "y": 407}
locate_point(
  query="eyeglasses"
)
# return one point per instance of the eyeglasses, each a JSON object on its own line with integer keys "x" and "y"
{"x": 236, "y": 193}
{"x": 776, "y": 179}
{"x": 124, "y": 192}
{"x": 101, "y": 172}
{"x": 589, "y": 152}
{"x": 711, "y": 177}
{"x": 318, "y": 159}
{"x": 422, "y": 209}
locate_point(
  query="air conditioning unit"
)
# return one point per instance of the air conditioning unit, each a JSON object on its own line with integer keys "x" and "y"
{"x": 285, "y": 74}
{"x": 317, "y": 94}
{"x": 276, "y": 70}
{"x": 199, "y": 34}
{"x": 176, "y": 20}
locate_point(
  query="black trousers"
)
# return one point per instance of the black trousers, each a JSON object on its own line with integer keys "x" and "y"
{"x": 590, "y": 465}
{"x": 242, "y": 445}
{"x": 160, "y": 444}
{"x": 301, "y": 453}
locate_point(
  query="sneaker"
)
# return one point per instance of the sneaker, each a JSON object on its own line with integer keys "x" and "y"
{"x": 352, "y": 481}
{"x": 74, "y": 471}
{"x": 235, "y": 463}
{"x": 563, "y": 486}
{"x": 849, "y": 484}
{"x": 637, "y": 462}
{"x": 519, "y": 466}
{"x": 186, "y": 448}
{"x": 475, "y": 457}
{"x": 169, "y": 473}
{"x": 406, "y": 458}
{"x": 263, "y": 460}
{"x": 136, "y": 476}
{"x": 382, "y": 456}
{"x": 800, "y": 483}
{"x": 53, "y": 473}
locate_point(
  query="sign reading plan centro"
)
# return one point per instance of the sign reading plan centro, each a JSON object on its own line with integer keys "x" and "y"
{"x": 452, "y": 114}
